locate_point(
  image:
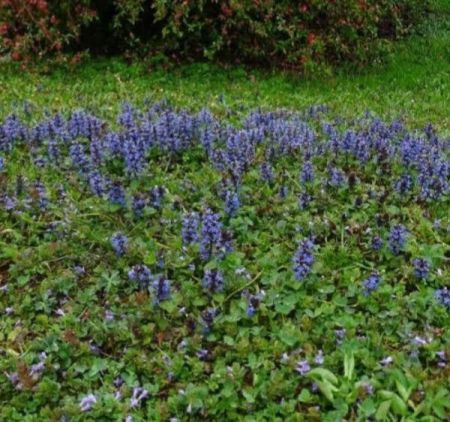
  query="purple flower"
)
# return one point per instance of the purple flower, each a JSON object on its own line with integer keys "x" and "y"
{"x": 161, "y": 289}
{"x": 442, "y": 358}
{"x": 404, "y": 183}
{"x": 139, "y": 394}
{"x": 303, "y": 259}
{"x": 141, "y": 274}
{"x": 87, "y": 402}
{"x": 253, "y": 302}
{"x": 78, "y": 157}
{"x": 283, "y": 192}
{"x": 41, "y": 193}
{"x": 340, "y": 334}
{"x": 213, "y": 281}
{"x": 443, "y": 296}
{"x": 421, "y": 268}
{"x": 189, "y": 230}
{"x": 368, "y": 388}
{"x": 419, "y": 341}
{"x": 2, "y": 163}
{"x": 397, "y": 238}
{"x": 119, "y": 243}
{"x": 386, "y": 361}
{"x": 336, "y": 177}
{"x": 304, "y": 199}
{"x": 202, "y": 354}
{"x": 9, "y": 202}
{"x": 319, "y": 359}
{"x": 138, "y": 205}
{"x": 307, "y": 172}
{"x": 133, "y": 152}
{"x": 116, "y": 194}
{"x": 377, "y": 243}
{"x": 156, "y": 196}
{"x": 109, "y": 315}
{"x": 118, "y": 382}
{"x": 266, "y": 172}
{"x": 96, "y": 183}
{"x": 303, "y": 367}
{"x": 231, "y": 203}
{"x": 96, "y": 151}
{"x": 371, "y": 283}
{"x": 60, "y": 312}
{"x": 37, "y": 369}
{"x": 208, "y": 316}
{"x": 211, "y": 234}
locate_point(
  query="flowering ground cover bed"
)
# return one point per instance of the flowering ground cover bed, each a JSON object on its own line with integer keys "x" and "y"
{"x": 172, "y": 265}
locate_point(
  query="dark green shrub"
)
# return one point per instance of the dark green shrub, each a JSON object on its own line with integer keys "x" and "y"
{"x": 285, "y": 33}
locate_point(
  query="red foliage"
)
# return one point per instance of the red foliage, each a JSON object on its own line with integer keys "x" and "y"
{"x": 40, "y": 27}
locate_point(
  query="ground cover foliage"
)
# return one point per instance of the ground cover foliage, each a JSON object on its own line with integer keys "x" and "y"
{"x": 275, "y": 266}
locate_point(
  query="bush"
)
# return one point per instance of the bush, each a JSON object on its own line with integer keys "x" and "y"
{"x": 289, "y": 33}
{"x": 285, "y": 32}
{"x": 41, "y": 28}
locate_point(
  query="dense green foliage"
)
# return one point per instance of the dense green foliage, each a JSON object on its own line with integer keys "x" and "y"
{"x": 363, "y": 334}
{"x": 288, "y": 340}
{"x": 289, "y": 34}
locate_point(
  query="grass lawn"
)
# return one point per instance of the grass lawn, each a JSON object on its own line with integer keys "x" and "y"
{"x": 414, "y": 83}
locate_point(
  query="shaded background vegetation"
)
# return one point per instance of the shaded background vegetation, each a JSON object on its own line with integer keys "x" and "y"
{"x": 288, "y": 34}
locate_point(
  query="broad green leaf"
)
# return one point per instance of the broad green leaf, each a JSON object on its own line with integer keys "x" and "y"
{"x": 324, "y": 374}
{"x": 349, "y": 365}
{"x": 383, "y": 410}
{"x": 327, "y": 389}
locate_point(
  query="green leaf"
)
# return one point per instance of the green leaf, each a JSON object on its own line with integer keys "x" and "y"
{"x": 383, "y": 410}
{"x": 404, "y": 393}
{"x": 327, "y": 389}
{"x": 286, "y": 305}
{"x": 287, "y": 336}
{"x": 248, "y": 396}
{"x": 305, "y": 396}
{"x": 398, "y": 405}
{"x": 349, "y": 365}
{"x": 324, "y": 374}
{"x": 98, "y": 365}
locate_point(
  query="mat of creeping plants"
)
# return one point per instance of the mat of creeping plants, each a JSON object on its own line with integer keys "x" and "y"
{"x": 170, "y": 265}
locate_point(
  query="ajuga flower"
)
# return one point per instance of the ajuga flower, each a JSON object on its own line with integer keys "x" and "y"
{"x": 213, "y": 280}
{"x": 116, "y": 194}
{"x": 307, "y": 172}
{"x": 303, "y": 367}
{"x": 138, "y": 204}
{"x": 96, "y": 183}
{"x": 376, "y": 243}
{"x": 397, "y": 238}
{"x": 141, "y": 274}
{"x": 421, "y": 267}
{"x": 87, "y": 402}
{"x": 161, "y": 289}
{"x": 443, "y": 296}
{"x": 211, "y": 234}
{"x": 266, "y": 172}
{"x": 303, "y": 259}
{"x": 371, "y": 283}
{"x": 189, "y": 230}
{"x": 119, "y": 243}
{"x": 231, "y": 203}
